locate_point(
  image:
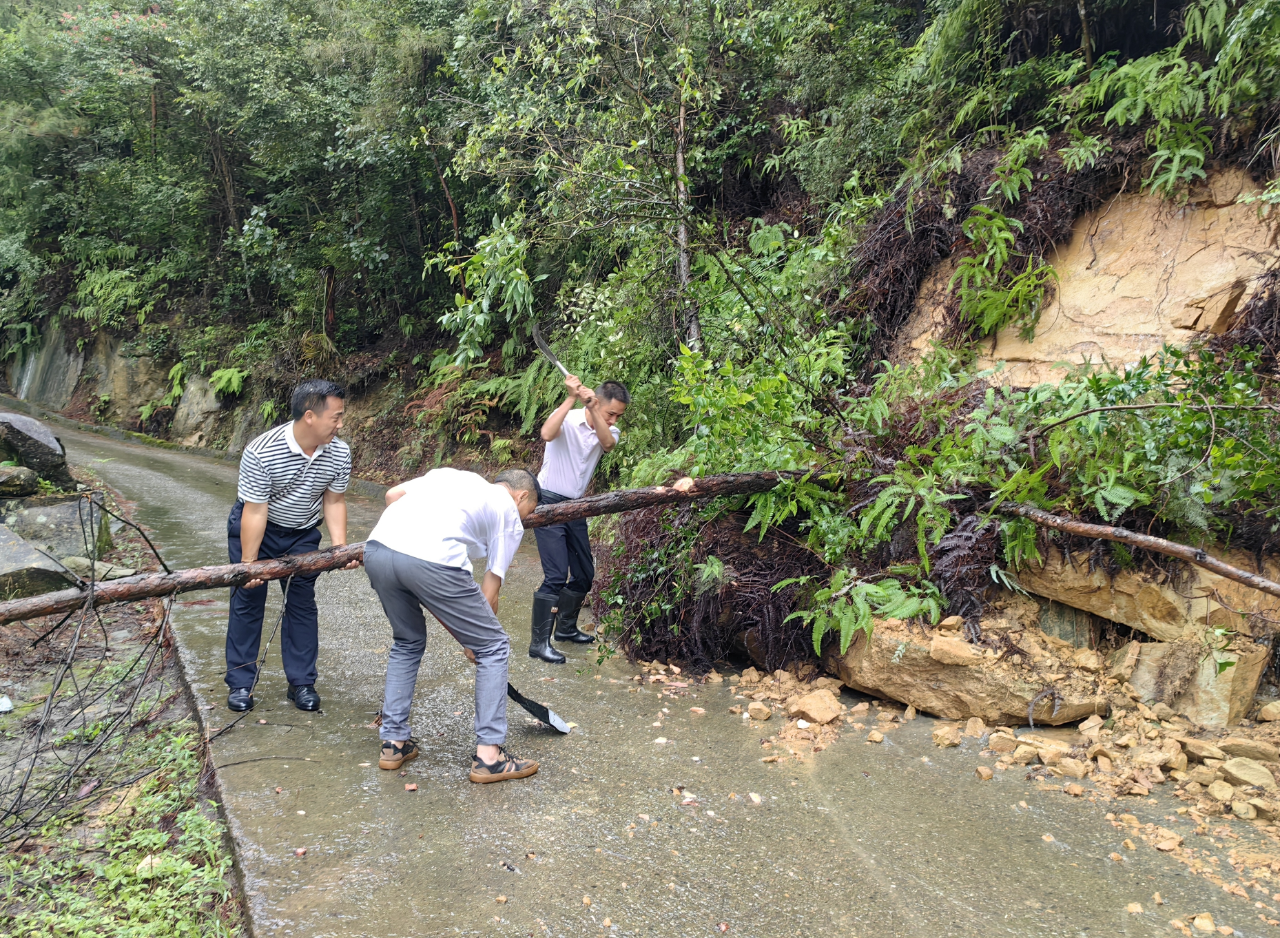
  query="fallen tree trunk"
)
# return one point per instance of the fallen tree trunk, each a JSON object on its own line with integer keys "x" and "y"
{"x": 149, "y": 585}
{"x": 611, "y": 503}
{"x": 1108, "y": 532}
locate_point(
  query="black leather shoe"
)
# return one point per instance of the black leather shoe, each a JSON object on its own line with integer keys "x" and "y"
{"x": 569, "y": 604}
{"x": 304, "y": 696}
{"x": 540, "y": 631}
{"x": 240, "y": 699}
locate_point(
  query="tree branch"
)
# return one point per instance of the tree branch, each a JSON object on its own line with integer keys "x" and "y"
{"x": 148, "y": 585}
{"x": 1108, "y": 532}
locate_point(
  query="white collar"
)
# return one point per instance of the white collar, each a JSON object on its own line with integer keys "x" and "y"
{"x": 292, "y": 442}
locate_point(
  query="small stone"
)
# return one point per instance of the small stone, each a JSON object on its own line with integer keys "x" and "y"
{"x": 984, "y": 773}
{"x": 1156, "y": 898}
{"x": 1074, "y": 790}
{"x": 1242, "y": 771}
{"x": 1002, "y": 742}
{"x": 408, "y": 787}
{"x": 1226, "y": 930}
{"x": 1203, "y": 922}
{"x": 1115, "y": 857}
{"x": 501, "y": 900}
{"x": 1202, "y": 775}
{"x": 1074, "y": 767}
{"x": 586, "y": 900}
{"x": 1025, "y": 755}
{"x": 300, "y": 852}
{"x": 660, "y": 741}
{"x": 1163, "y": 712}
{"x": 755, "y": 799}
{"x": 1135, "y": 908}
{"x": 1047, "y": 838}
{"x": 1269, "y": 712}
{"x": 910, "y": 713}
{"x": 875, "y": 736}
{"x": 1087, "y": 660}
{"x": 819, "y": 707}
{"x": 1104, "y": 764}
{"x": 758, "y": 710}
{"x": 148, "y": 867}
{"x": 951, "y": 623}
{"x": 974, "y": 727}
{"x": 946, "y": 736}
{"x": 1244, "y": 810}
{"x": 1220, "y": 791}
{"x": 803, "y": 724}
{"x": 607, "y": 923}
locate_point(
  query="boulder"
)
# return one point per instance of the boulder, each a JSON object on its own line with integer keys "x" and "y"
{"x": 1242, "y": 771}
{"x": 818, "y": 707}
{"x": 16, "y": 481}
{"x": 61, "y": 524}
{"x": 953, "y": 651}
{"x": 1254, "y": 749}
{"x": 1207, "y": 695}
{"x": 36, "y": 447}
{"x": 894, "y": 663}
{"x": 24, "y": 571}
{"x": 1269, "y": 713}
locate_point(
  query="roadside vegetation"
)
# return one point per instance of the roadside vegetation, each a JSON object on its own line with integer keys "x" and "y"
{"x": 728, "y": 206}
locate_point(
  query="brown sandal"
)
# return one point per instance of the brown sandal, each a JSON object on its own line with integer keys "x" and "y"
{"x": 504, "y": 768}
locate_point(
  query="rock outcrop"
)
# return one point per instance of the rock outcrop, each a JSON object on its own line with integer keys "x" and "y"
{"x": 1149, "y": 603}
{"x": 65, "y": 526}
{"x": 1138, "y": 272}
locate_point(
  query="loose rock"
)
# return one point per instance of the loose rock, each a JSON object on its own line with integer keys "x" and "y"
{"x": 984, "y": 773}
{"x": 758, "y": 710}
{"x": 875, "y": 736}
{"x": 974, "y": 727}
{"x": 1254, "y": 749}
{"x": 946, "y": 736}
{"x": 1220, "y": 791}
{"x": 819, "y": 707}
{"x": 16, "y": 481}
{"x": 1269, "y": 712}
{"x": 1248, "y": 772}
{"x": 953, "y": 651}
{"x": 1199, "y": 750}
{"x": 951, "y": 623}
{"x": 36, "y": 447}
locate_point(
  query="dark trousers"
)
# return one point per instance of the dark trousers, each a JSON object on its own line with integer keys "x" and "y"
{"x": 565, "y": 551}
{"x": 299, "y": 631}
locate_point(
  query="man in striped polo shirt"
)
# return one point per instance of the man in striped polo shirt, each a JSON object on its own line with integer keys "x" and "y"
{"x": 290, "y": 477}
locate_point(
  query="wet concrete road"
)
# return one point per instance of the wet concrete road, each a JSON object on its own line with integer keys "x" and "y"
{"x": 865, "y": 841}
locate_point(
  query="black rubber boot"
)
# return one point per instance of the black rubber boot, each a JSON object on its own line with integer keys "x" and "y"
{"x": 567, "y": 618}
{"x": 540, "y": 632}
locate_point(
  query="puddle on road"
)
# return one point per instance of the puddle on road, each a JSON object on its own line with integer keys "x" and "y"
{"x": 862, "y": 841}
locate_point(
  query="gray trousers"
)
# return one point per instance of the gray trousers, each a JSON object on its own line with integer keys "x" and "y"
{"x": 405, "y": 585}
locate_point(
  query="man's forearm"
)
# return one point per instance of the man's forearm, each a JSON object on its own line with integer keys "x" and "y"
{"x": 335, "y": 519}
{"x": 551, "y": 429}
{"x": 253, "y": 526}
{"x": 489, "y": 587}
{"x": 604, "y": 432}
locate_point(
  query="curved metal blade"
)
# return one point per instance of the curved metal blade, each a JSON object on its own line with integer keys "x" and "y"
{"x": 543, "y": 347}
{"x": 538, "y": 711}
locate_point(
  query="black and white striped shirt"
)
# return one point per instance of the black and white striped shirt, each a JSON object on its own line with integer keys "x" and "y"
{"x": 275, "y": 470}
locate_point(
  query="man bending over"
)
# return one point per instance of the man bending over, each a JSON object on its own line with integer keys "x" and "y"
{"x": 419, "y": 555}
{"x": 576, "y": 439}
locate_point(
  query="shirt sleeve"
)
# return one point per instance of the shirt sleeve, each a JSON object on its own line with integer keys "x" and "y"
{"x": 342, "y": 478}
{"x": 255, "y": 480}
{"x": 502, "y": 550}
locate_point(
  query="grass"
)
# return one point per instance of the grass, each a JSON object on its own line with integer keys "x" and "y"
{"x": 81, "y": 875}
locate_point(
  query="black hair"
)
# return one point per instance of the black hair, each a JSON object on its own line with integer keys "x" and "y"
{"x": 614, "y": 391}
{"x": 313, "y": 395}
{"x": 521, "y": 480}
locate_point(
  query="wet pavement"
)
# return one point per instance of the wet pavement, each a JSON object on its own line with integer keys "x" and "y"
{"x": 898, "y": 839}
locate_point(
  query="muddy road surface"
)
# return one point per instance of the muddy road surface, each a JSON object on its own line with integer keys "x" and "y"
{"x": 617, "y": 835}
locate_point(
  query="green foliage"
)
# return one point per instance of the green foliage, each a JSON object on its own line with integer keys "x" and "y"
{"x": 228, "y": 381}
{"x": 848, "y": 603}
{"x": 67, "y": 890}
{"x": 993, "y": 293}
